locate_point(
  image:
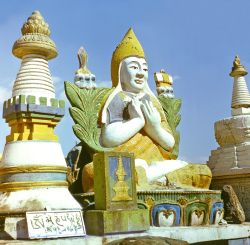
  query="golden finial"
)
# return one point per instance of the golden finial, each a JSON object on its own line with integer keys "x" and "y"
{"x": 35, "y": 39}
{"x": 83, "y": 60}
{"x": 129, "y": 46}
{"x": 238, "y": 69}
{"x": 36, "y": 24}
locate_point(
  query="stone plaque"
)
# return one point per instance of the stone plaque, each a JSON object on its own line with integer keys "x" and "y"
{"x": 49, "y": 224}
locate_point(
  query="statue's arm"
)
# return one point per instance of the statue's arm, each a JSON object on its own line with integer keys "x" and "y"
{"x": 118, "y": 133}
{"x": 154, "y": 129}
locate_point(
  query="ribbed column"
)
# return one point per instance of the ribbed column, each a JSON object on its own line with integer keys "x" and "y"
{"x": 240, "y": 97}
{"x": 34, "y": 78}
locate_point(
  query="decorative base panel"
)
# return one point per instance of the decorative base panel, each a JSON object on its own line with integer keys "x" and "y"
{"x": 174, "y": 207}
{"x": 101, "y": 222}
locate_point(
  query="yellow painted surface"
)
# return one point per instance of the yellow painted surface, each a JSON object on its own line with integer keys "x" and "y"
{"x": 192, "y": 176}
{"x": 32, "y": 129}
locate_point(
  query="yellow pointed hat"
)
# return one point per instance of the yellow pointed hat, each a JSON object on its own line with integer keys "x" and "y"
{"x": 129, "y": 46}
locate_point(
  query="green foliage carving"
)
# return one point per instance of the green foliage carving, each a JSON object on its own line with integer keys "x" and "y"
{"x": 86, "y": 106}
{"x": 171, "y": 108}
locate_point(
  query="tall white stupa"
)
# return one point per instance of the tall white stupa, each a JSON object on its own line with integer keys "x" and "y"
{"x": 230, "y": 162}
{"x": 33, "y": 169}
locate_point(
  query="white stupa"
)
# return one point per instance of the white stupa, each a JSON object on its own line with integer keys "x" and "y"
{"x": 230, "y": 162}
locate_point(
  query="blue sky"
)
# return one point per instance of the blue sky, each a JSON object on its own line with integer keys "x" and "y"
{"x": 195, "y": 41}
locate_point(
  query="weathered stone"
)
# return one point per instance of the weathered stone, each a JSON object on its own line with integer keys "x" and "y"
{"x": 233, "y": 209}
{"x": 239, "y": 179}
{"x": 148, "y": 240}
{"x": 101, "y": 222}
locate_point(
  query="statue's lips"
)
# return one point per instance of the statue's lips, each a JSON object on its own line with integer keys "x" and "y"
{"x": 139, "y": 81}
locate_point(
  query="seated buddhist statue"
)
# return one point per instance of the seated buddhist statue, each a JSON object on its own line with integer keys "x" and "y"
{"x": 132, "y": 120}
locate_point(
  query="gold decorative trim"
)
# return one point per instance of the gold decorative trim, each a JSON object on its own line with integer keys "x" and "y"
{"x": 180, "y": 191}
{"x": 17, "y": 186}
{"x": 33, "y": 169}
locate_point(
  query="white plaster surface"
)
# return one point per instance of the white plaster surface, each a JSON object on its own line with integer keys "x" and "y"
{"x": 159, "y": 169}
{"x": 34, "y": 78}
{"x": 53, "y": 198}
{"x": 240, "y": 111}
{"x": 18, "y": 153}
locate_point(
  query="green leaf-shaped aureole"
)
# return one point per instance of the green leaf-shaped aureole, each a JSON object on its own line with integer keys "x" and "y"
{"x": 86, "y": 107}
{"x": 171, "y": 108}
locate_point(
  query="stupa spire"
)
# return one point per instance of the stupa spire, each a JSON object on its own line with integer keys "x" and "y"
{"x": 240, "y": 96}
{"x": 35, "y": 48}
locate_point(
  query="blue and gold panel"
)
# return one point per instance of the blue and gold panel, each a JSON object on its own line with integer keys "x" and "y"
{"x": 115, "y": 186}
{"x": 164, "y": 215}
{"x": 217, "y": 213}
{"x": 120, "y": 178}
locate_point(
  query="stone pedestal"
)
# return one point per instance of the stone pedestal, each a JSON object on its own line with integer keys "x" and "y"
{"x": 102, "y": 222}
{"x": 230, "y": 161}
{"x": 115, "y": 196}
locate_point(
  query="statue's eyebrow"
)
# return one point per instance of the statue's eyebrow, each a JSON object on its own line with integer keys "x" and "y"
{"x": 135, "y": 62}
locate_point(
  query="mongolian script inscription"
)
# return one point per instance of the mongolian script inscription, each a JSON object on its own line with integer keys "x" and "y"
{"x": 47, "y": 224}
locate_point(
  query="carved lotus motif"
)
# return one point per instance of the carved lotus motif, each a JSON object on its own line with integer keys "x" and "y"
{"x": 218, "y": 215}
{"x": 197, "y": 217}
{"x": 166, "y": 218}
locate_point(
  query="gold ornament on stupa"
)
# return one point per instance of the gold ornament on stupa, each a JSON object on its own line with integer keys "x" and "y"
{"x": 163, "y": 79}
{"x": 129, "y": 46}
{"x": 121, "y": 187}
{"x": 238, "y": 69}
{"x": 35, "y": 39}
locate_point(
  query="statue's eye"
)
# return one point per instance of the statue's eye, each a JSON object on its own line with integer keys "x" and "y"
{"x": 134, "y": 67}
{"x": 145, "y": 69}
{"x": 87, "y": 78}
{"x": 93, "y": 78}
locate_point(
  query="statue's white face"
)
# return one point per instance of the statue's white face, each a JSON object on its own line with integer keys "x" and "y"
{"x": 134, "y": 74}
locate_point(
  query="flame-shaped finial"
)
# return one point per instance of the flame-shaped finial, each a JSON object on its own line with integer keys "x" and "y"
{"x": 36, "y": 24}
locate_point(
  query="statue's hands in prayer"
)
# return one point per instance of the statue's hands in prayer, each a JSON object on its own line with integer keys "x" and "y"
{"x": 152, "y": 116}
{"x": 153, "y": 126}
{"x": 134, "y": 110}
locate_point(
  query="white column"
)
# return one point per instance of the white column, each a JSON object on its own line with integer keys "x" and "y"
{"x": 34, "y": 78}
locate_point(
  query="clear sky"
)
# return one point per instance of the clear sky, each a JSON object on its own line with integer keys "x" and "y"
{"x": 195, "y": 41}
